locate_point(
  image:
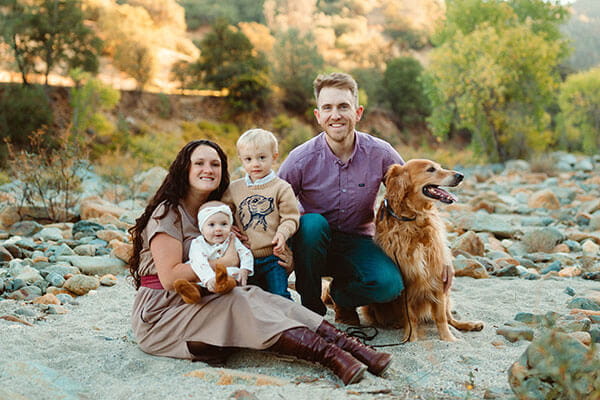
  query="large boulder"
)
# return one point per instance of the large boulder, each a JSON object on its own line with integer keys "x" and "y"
{"x": 556, "y": 366}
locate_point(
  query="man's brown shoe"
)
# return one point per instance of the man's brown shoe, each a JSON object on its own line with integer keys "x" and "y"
{"x": 347, "y": 316}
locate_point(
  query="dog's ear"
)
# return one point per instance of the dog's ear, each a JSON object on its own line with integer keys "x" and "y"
{"x": 397, "y": 181}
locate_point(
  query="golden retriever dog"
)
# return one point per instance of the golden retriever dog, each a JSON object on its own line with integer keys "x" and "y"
{"x": 411, "y": 232}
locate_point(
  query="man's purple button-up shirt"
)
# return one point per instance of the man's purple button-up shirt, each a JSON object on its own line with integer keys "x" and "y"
{"x": 344, "y": 193}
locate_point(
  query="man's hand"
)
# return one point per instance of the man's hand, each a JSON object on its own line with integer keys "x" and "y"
{"x": 448, "y": 277}
{"x": 242, "y": 277}
{"x": 278, "y": 243}
{"x": 286, "y": 258}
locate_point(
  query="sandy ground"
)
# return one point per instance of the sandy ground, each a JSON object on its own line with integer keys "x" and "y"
{"x": 89, "y": 353}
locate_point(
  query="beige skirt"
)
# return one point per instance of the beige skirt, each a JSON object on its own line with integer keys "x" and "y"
{"x": 246, "y": 317}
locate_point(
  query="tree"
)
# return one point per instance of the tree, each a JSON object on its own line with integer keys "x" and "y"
{"x": 404, "y": 91}
{"x": 228, "y": 61}
{"x": 50, "y": 31}
{"x": 495, "y": 75}
{"x": 296, "y": 62}
{"x": 136, "y": 59}
{"x": 579, "y": 102}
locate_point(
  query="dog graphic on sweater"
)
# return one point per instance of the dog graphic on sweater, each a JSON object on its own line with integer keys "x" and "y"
{"x": 253, "y": 211}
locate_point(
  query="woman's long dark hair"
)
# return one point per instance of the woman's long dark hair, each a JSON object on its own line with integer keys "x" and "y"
{"x": 174, "y": 187}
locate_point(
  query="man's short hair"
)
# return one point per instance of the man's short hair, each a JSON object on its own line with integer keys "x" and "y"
{"x": 258, "y": 137}
{"x": 337, "y": 80}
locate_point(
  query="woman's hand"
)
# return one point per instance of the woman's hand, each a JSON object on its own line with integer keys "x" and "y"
{"x": 211, "y": 285}
{"x": 242, "y": 236}
{"x": 286, "y": 258}
{"x": 242, "y": 277}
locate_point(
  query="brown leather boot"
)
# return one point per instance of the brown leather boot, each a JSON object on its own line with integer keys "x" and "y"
{"x": 307, "y": 345}
{"x": 377, "y": 362}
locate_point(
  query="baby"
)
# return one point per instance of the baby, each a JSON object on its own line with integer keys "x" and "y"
{"x": 214, "y": 220}
{"x": 266, "y": 209}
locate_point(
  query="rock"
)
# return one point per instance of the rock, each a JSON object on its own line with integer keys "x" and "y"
{"x": 594, "y": 224}
{"x": 120, "y": 250}
{"x": 64, "y": 298}
{"x": 47, "y": 299}
{"x": 518, "y": 166}
{"x": 61, "y": 250}
{"x": 62, "y": 269}
{"x": 109, "y": 235}
{"x": 570, "y": 291}
{"x": 544, "y": 199}
{"x": 149, "y": 181}
{"x": 594, "y": 276}
{"x": 87, "y": 227}
{"x": 583, "y": 303}
{"x": 108, "y": 280}
{"x": 5, "y": 255}
{"x": 555, "y": 366}
{"x": 53, "y": 234}
{"x": 81, "y": 284}
{"x": 95, "y": 207}
{"x": 55, "y": 279}
{"x": 14, "y": 250}
{"x": 470, "y": 243}
{"x": 511, "y": 270}
{"x": 590, "y": 207}
{"x": 96, "y": 265}
{"x": 513, "y": 334}
{"x": 499, "y": 225}
{"x": 590, "y": 248}
{"x": 542, "y": 239}
{"x": 25, "y": 228}
{"x": 560, "y": 248}
{"x": 29, "y": 275}
{"x": 85, "y": 250}
{"x": 569, "y": 272}
{"x": 469, "y": 267}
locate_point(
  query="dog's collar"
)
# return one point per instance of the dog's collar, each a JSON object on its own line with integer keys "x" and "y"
{"x": 391, "y": 212}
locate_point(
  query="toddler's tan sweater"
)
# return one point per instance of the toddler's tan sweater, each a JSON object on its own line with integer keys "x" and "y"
{"x": 261, "y": 211}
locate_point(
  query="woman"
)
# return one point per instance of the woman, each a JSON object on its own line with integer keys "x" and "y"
{"x": 246, "y": 317}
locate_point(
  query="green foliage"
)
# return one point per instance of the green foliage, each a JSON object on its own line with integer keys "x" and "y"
{"x": 403, "y": 89}
{"x": 579, "y": 102}
{"x": 292, "y": 133}
{"x": 296, "y": 62}
{"x": 182, "y": 72}
{"x": 228, "y": 61}
{"x": 583, "y": 29}
{"x": 49, "y": 33}
{"x": 89, "y": 99}
{"x": 206, "y": 12}
{"x": 369, "y": 80}
{"x": 136, "y": 59}
{"x": 155, "y": 149}
{"x": 23, "y": 110}
{"x": 226, "y": 134}
{"x": 164, "y": 106}
{"x": 495, "y": 78}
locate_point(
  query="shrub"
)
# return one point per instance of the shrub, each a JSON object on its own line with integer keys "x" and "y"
{"x": 23, "y": 109}
{"x": 50, "y": 177}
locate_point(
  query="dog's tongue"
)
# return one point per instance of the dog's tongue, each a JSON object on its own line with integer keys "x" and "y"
{"x": 442, "y": 195}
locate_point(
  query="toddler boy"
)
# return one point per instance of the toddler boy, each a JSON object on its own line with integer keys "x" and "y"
{"x": 265, "y": 207}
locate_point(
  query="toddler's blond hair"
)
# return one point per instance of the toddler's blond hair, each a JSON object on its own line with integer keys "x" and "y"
{"x": 258, "y": 137}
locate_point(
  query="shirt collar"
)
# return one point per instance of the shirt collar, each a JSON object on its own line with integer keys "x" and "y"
{"x": 334, "y": 157}
{"x": 270, "y": 176}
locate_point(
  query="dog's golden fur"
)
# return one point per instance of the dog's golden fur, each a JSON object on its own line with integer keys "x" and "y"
{"x": 411, "y": 232}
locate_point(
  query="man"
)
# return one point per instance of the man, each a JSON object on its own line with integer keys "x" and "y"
{"x": 336, "y": 176}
